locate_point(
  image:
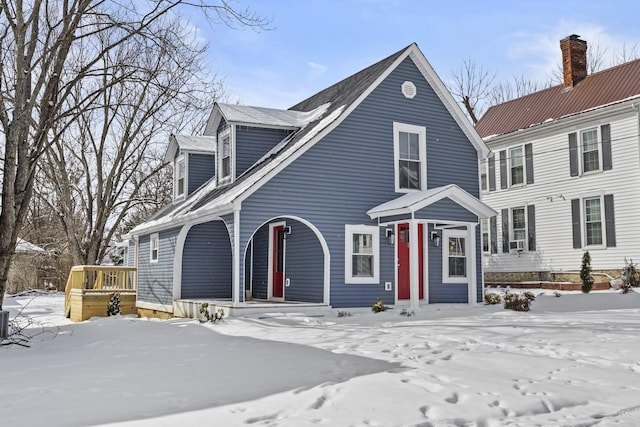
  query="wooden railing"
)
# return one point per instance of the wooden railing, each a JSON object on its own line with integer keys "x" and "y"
{"x": 88, "y": 278}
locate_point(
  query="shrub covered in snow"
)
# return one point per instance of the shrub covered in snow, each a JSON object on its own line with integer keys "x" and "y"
{"x": 493, "y": 298}
{"x": 518, "y": 302}
{"x": 114, "y": 305}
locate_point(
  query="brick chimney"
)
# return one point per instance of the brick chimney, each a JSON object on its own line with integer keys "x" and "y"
{"x": 574, "y": 60}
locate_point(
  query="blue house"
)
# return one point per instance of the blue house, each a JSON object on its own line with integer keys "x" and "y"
{"x": 321, "y": 203}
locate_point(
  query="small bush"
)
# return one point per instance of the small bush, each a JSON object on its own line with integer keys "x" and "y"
{"x": 344, "y": 314}
{"x": 378, "y": 306}
{"x": 492, "y": 299}
{"x": 404, "y": 312}
{"x": 114, "y": 305}
{"x": 518, "y": 302}
{"x": 585, "y": 273}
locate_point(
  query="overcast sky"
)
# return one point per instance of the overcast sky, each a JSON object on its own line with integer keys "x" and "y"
{"x": 315, "y": 43}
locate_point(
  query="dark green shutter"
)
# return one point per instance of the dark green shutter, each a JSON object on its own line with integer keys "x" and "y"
{"x": 493, "y": 225}
{"x": 528, "y": 158}
{"x": 531, "y": 227}
{"x": 573, "y": 154}
{"x": 503, "y": 169}
{"x": 610, "y": 220}
{"x": 575, "y": 221}
{"x": 505, "y": 230}
{"x": 605, "y": 131}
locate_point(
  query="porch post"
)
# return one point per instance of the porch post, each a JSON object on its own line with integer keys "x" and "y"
{"x": 235, "y": 287}
{"x": 414, "y": 269}
{"x": 472, "y": 268}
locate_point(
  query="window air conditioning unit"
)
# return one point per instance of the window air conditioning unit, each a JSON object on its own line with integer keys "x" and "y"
{"x": 516, "y": 245}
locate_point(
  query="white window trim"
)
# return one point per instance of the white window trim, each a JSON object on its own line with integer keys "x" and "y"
{"x": 581, "y": 150}
{"x": 484, "y": 169}
{"x": 524, "y": 166}
{"x": 512, "y": 237}
{"x": 176, "y": 196}
{"x": 349, "y": 231}
{"x": 583, "y": 220}
{"x": 446, "y": 234}
{"x": 154, "y": 238}
{"x": 485, "y": 225}
{"x": 422, "y": 150}
{"x": 221, "y": 136}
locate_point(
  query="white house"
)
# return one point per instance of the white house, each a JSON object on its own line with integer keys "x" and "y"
{"x": 564, "y": 175}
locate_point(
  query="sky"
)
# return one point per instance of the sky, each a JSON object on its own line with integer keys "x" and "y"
{"x": 312, "y": 44}
{"x": 570, "y": 361}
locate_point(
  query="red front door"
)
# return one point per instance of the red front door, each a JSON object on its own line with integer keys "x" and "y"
{"x": 277, "y": 262}
{"x": 404, "y": 266}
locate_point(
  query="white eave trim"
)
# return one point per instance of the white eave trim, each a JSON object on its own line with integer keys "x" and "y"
{"x": 413, "y": 202}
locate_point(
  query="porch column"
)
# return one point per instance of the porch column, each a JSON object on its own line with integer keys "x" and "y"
{"x": 414, "y": 268}
{"x": 235, "y": 259}
{"x": 472, "y": 268}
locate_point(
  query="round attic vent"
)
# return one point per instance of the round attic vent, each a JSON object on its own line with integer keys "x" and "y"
{"x": 409, "y": 90}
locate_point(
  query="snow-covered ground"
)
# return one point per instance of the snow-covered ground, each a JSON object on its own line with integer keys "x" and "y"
{"x": 573, "y": 360}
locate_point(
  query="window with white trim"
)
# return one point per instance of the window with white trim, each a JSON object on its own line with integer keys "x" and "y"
{"x": 410, "y": 157}
{"x": 154, "y": 248}
{"x": 590, "y": 150}
{"x": 486, "y": 239}
{"x": 593, "y": 221}
{"x": 516, "y": 165}
{"x": 518, "y": 224}
{"x": 362, "y": 249}
{"x": 180, "y": 177}
{"x": 454, "y": 256}
{"x": 484, "y": 175}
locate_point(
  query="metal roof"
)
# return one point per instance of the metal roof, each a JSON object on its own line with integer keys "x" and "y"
{"x": 597, "y": 90}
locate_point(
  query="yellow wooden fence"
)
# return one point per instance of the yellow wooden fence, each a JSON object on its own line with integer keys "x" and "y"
{"x": 90, "y": 287}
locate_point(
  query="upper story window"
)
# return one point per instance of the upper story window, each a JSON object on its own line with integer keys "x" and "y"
{"x": 225, "y": 155}
{"x": 516, "y": 167}
{"x": 180, "y": 176}
{"x": 154, "y": 248}
{"x": 410, "y": 157}
{"x": 590, "y": 150}
{"x": 484, "y": 177}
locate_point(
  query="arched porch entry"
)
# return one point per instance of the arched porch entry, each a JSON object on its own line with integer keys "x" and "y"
{"x": 207, "y": 262}
{"x": 287, "y": 259}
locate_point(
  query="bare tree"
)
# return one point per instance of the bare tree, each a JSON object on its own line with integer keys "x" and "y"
{"x": 42, "y": 64}
{"x": 471, "y": 86}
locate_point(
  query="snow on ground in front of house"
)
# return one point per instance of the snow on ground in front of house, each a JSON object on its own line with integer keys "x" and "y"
{"x": 571, "y": 361}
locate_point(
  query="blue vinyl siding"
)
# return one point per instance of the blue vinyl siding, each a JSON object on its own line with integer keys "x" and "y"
{"x": 202, "y": 167}
{"x": 253, "y": 143}
{"x": 304, "y": 264}
{"x": 155, "y": 281}
{"x": 206, "y": 262}
{"x": 260, "y": 278}
{"x": 351, "y": 170}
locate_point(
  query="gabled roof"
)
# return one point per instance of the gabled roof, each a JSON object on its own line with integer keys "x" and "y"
{"x": 248, "y": 115}
{"x": 413, "y": 202}
{"x": 194, "y": 144}
{"x": 597, "y": 90}
{"x": 323, "y": 112}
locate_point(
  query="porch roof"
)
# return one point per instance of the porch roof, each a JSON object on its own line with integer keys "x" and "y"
{"x": 414, "y": 201}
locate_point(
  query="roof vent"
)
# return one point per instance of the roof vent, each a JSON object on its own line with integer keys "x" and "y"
{"x": 409, "y": 90}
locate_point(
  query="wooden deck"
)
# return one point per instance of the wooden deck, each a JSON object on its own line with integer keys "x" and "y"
{"x": 90, "y": 288}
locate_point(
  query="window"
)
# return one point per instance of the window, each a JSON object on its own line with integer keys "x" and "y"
{"x": 516, "y": 166}
{"x": 454, "y": 255}
{"x": 518, "y": 229}
{"x": 362, "y": 244}
{"x": 180, "y": 177}
{"x": 484, "y": 180}
{"x": 154, "y": 246}
{"x": 410, "y": 157}
{"x": 486, "y": 239}
{"x": 590, "y": 152}
{"x": 518, "y": 224}
{"x": 593, "y": 221}
{"x": 226, "y": 157}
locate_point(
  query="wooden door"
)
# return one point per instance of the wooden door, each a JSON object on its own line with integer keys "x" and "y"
{"x": 277, "y": 262}
{"x": 404, "y": 264}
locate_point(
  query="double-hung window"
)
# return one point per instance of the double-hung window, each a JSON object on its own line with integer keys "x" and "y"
{"x": 180, "y": 177}
{"x": 154, "y": 248}
{"x": 454, "y": 254}
{"x": 518, "y": 224}
{"x": 486, "y": 237}
{"x": 593, "y": 221}
{"x": 590, "y": 151}
{"x": 362, "y": 245}
{"x": 226, "y": 156}
{"x": 516, "y": 165}
{"x": 484, "y": 176}
{"x": 410, "y": 157}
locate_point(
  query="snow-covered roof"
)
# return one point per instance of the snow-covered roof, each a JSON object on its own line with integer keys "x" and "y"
{"x": 196, "y": 144}
{"x": 245, "y": 114}
{"x": 24, "y": 247}
{"x": 414, "y": 201}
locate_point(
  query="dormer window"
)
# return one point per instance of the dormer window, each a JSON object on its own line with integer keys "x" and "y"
{"x": 226, "y": 156}
{"x": 180, "y": 177}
